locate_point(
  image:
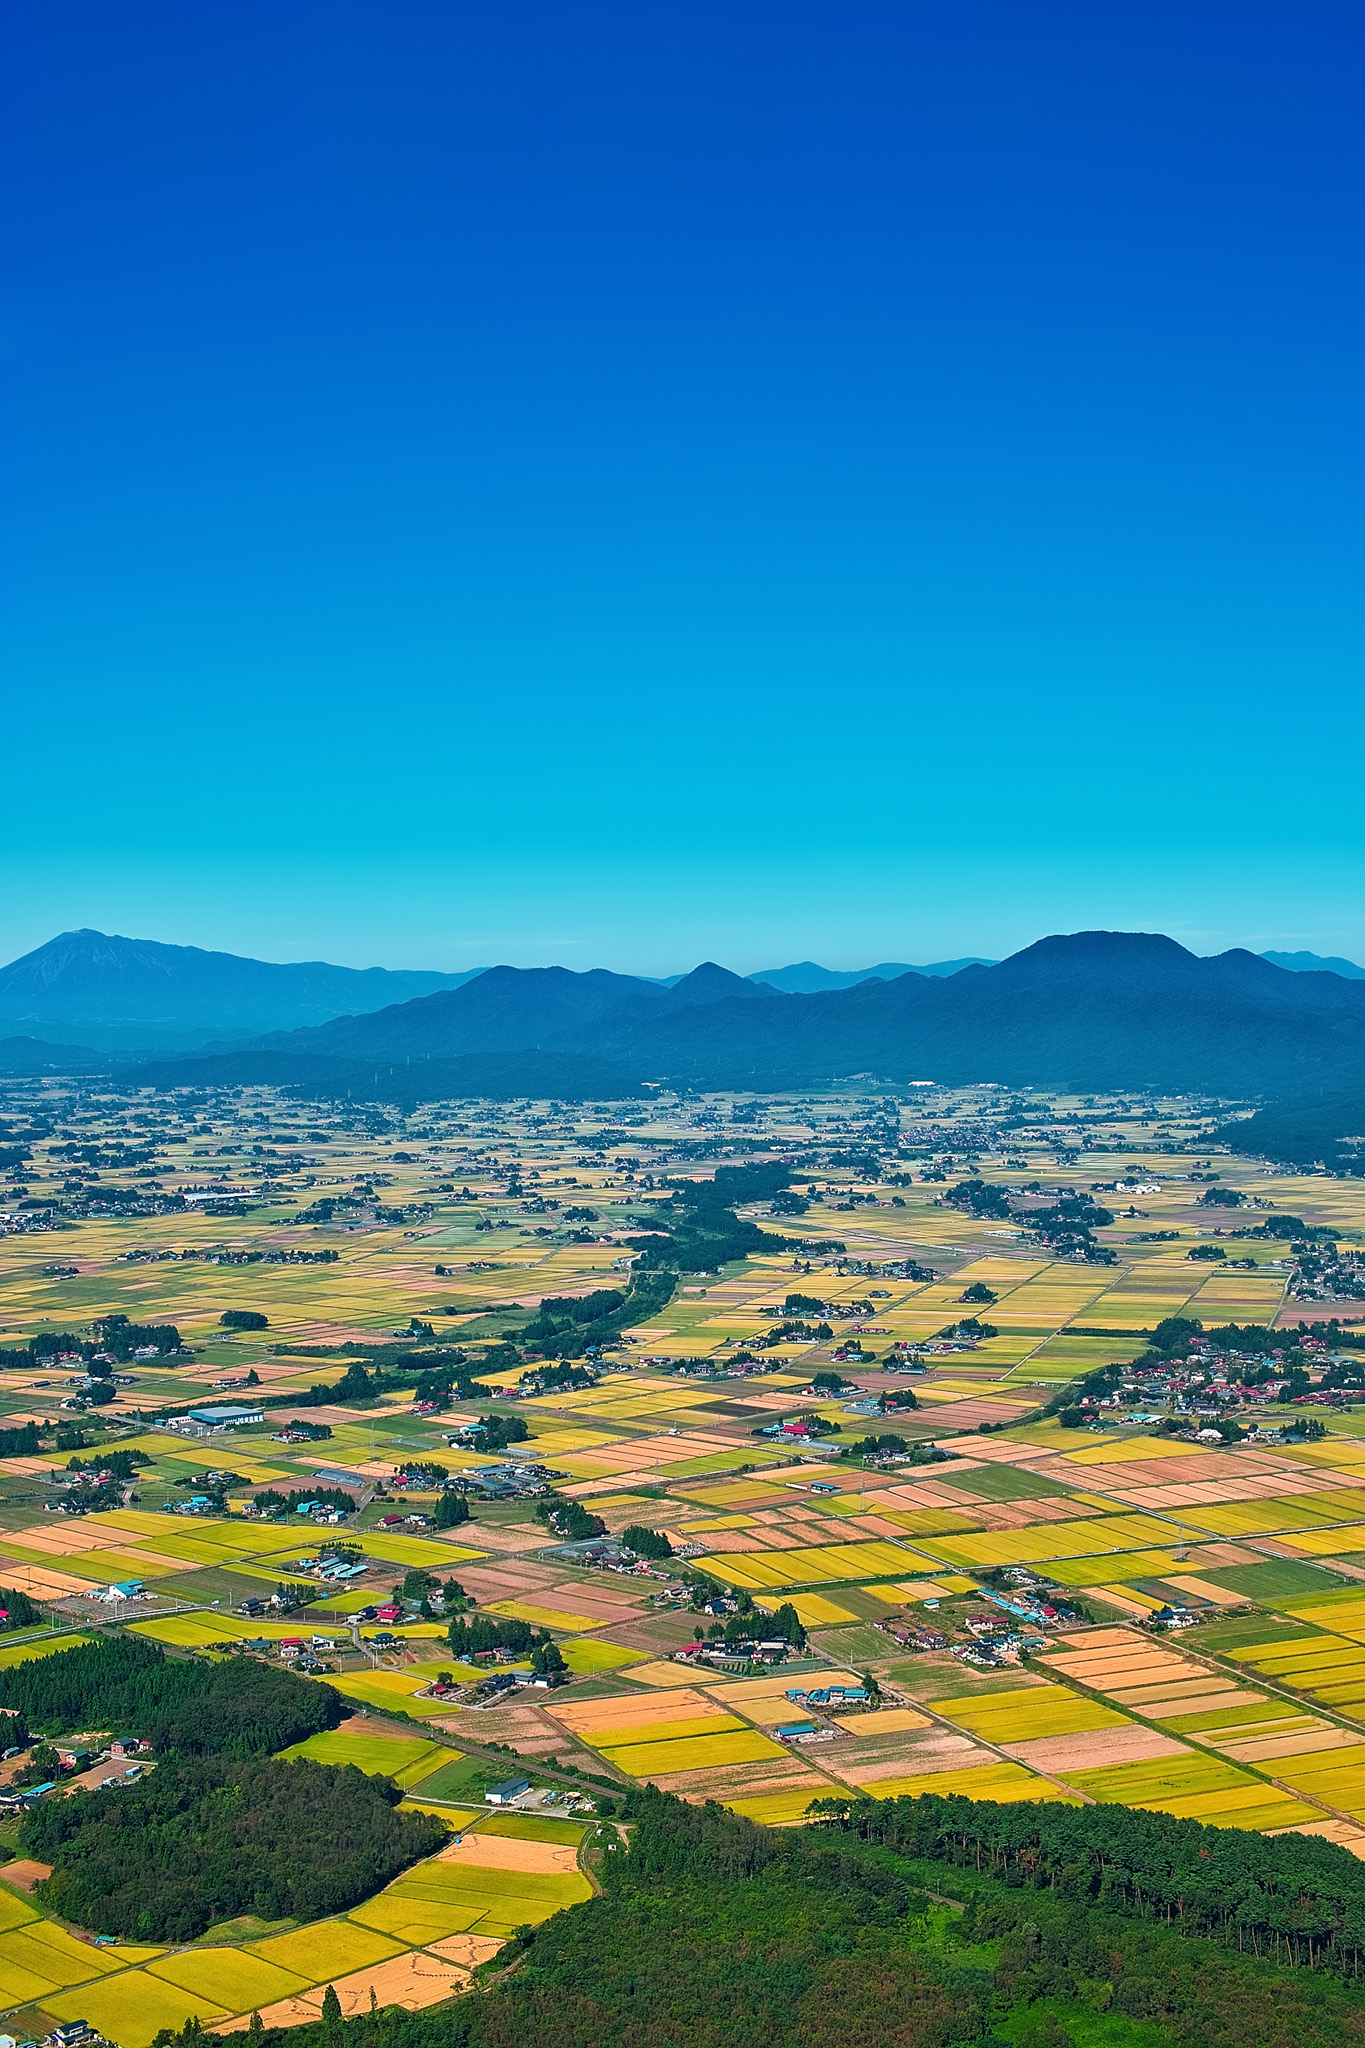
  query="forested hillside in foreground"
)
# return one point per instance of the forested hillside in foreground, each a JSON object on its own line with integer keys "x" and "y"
{"x": 715, "y": 1933}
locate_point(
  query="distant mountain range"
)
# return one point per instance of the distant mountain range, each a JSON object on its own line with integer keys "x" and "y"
{"x": 21, "y": 1055}
{"x": 1091, "y": 1010}
{"x": 1315, "y": 963}
{"x": 806, "y": 979}
{"x": 136, "y": 994}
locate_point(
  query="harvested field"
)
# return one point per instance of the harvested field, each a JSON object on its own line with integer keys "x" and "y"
{"x": 1190, "y": 1707}
{"x": 742, "y": 1780}
{"x": 934, "y": 1753}
{"x": 592, "y": 1717}
{"x": 662, "y": 1674}
{"x": 1060, "y": 1755}
{"x": 508, "y": 1852}
{"x": 412, "y": 1981}
{"x": 748, "y": 1693}
{"x": 992, "y": 1780}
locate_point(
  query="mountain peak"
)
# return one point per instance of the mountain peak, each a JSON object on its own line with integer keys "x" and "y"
{"x": 710, "y": 983}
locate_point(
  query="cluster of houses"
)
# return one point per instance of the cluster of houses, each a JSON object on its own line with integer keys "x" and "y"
{"x": 912, "y": 1636}
{"x": 1201, "y": 1387}
{"x": 829, "y": 1699}
{"x": 730, "y": 1655}
{"x": 123, "y": 1754}
{"x": 512, "y": 1481}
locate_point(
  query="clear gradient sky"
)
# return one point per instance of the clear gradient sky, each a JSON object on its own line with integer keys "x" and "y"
{"x": 620, "y": 484}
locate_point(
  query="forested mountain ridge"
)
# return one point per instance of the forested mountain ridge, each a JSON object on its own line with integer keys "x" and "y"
{"x": 518, "y": 1009}
{"x": 1091, "y": 1010}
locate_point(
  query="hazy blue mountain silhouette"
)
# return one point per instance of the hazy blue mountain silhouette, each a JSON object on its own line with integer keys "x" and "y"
{"x": 138, "y": 992}
{"x": 1089, "y": 1010}
{"x": 1315, "y": 963}
{"x": 805, "y": 978}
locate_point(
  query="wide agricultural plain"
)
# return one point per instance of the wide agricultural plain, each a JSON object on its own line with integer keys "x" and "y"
{"x": 448, "y": 1227}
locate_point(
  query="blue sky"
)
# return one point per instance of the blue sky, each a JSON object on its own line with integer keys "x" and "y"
{"x": 621, "y": 485}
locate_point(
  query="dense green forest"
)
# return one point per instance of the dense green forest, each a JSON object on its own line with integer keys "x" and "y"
{"x": 1294, "y": 1898}
{"x": 195, "y": 1842}
{"x": 712, "y": 1931}
{"x": 128, "y": 1686}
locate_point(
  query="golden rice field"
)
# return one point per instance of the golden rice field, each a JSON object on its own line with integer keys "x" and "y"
{"x": 41, "y": 1646}
{"x": 405, "y": 1759}
{"x": 1110, "y": 1534}
{"x": 691, "y": 1753}
{"x": 1021, "y": 1716}
{"x": 714, "y": 1723}
{"x": 818, "y": 1565}
{"x": 1196, "y": 1787}
{"x": 1288, "y": 1511}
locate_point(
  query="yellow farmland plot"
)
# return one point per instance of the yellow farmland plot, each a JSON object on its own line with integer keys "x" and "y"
{"x": 45, "y": 1951}
{"x": 133, "y": 2007}
{"x": 660, "y": 1731}
{"x": 430, "y": 1551}
{"x": 1328, "y": 1542}
{"x": 778, "y": 1809}
{"x": 692, "y": 1753}
{"x": 41, "y": 1646}
{"x": 1328, "y": 1668}
{"x": 1194, "y": 1787}
{"x": 1023, "y": 1715}
{"x": 585, "y": 1658}
{"x": 996, "y": 1782}
{"x": 230, "y": 1977}
{"x": 542, "y": 1617}
{"x": 1099, "y": 1571}
{"x": 1112, "y": 1533}
{"x": 14, "y": 1912}
{"x": 407, "y": 1760}
{"x": 326, "y": 1950}
{"x": 398, "y": 1688}
{"x": 1131, "y": 1450}
{"x": 824, "y": 1564}
{"x": 929, "y": 1521}
{"x": 815, "y": 1611}
{"x": 1308, "y": 1653}
{"x": 1345, "y": 1613}
{"x": 1268, "y": 1517}
{"x": 185, "y": 1631}
{"x": 235, "y": 1534}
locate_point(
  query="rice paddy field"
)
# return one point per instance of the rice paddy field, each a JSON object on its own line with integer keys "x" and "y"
{"x": 452, "y": 1224}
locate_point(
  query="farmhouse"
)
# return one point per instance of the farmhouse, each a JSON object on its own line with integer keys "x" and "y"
{"x": 503, "y": 1795}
